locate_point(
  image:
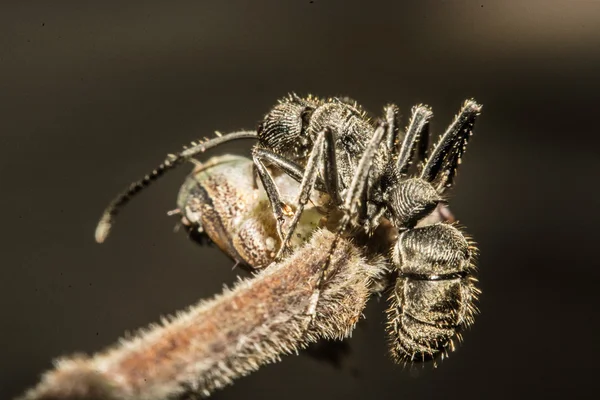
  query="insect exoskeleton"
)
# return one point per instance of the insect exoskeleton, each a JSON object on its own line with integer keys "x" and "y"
{"x": 221, "y": 199}
{"x": 434, "y": 297}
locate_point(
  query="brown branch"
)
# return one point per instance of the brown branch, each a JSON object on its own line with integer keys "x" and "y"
{"x": 214, "y": 342}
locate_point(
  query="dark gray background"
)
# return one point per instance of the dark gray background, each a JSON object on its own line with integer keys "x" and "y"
{"x": 94, "y": 94}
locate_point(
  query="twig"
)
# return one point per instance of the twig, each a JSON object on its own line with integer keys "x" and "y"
{"x": 216, "y": 341}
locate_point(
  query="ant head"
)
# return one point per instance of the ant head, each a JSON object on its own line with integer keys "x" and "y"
{"x": 284, "y": 128}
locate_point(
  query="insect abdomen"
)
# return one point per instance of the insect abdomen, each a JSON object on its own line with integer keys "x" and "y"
{"x": 434, "y": 294}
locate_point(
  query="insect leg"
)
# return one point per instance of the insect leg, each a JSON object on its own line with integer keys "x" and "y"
{"x": 440, "y": 168}
{"x": 307, "y": 176}
{"x": 277, "y": 205}
{"x": 419, "y": 123}
{"x": 330, "y": 185}
{"x": 295, "y": 171}
{"x": 108, "y": 217}
{"x": 359, "y": 180}
{"x": 422, "y": 147}
{"x": 391, "y": 118}
{"x": 306, "y": 186}
{"x": 323, "y": 153}
{"x": 330, "y": 171}
{"x": 350, "y": 207}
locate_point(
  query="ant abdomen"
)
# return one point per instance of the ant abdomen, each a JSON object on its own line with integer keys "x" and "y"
{"x": 434, "y": 294}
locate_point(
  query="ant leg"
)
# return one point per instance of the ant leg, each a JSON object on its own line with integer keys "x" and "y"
{"x": 440, "y": 168}
{"x": 323, "y": 153}
{"x": 270, "y": 187}
{"x": 330, "y": 185}
{"x": 422, "y": 147}
{"x": 359, "y": 180}
{"x": 350, "y": 207}
{"x": 295, "y": 171}
{"x": 307, "y": 176}
{"x": 306, "y": 187}
{"x": 392, "y": 137}
{"x": 330, "y": 171}
{"x": 391, "y": 118}
{"x": 418, "y": 125}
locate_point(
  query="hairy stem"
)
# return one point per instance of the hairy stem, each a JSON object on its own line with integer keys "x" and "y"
{"x": 214, "y": 342}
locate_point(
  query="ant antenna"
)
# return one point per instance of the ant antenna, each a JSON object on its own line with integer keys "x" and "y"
{"x": 173, "y": 160}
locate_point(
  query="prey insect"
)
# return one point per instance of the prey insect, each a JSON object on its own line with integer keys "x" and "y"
{"x": 220, "y": 200}
{"x": 371, "y": 172}
{"x": 261, "y": 319}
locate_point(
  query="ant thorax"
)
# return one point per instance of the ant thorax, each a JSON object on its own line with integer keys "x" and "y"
{"x": 222, "y": 199}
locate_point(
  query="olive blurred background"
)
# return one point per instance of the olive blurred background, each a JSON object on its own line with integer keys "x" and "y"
{"x": 94, "y": 94}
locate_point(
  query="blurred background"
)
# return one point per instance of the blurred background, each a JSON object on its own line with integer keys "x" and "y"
{"x": 95, "y": 94}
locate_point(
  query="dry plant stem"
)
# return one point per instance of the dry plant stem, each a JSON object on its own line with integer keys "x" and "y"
{"x": 219, "y": 340}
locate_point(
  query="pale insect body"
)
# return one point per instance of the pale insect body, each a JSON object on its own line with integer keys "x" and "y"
{"x": 220, "y": 199}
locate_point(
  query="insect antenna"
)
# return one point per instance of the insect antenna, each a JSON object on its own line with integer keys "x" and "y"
{"x": 108, "y": 217}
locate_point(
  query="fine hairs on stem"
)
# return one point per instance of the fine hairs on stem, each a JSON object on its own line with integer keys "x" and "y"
{"x": 216, "y": 341}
